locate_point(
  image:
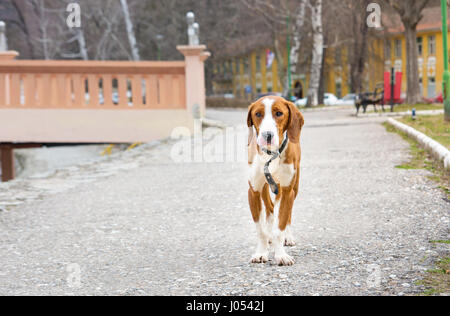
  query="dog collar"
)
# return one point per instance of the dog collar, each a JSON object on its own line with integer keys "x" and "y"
{"x": 273, "y": 185}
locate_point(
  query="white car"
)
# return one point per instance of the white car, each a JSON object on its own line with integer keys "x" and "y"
{"x": 349, "y": 99}
{"x": 328, "y": 99}
{"x": 301, "y": 102}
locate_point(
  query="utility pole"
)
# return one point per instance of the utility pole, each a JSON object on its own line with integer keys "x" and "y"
{"x": 446, "y": 79}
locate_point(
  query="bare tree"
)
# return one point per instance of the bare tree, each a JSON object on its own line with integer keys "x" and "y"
{"x": 275, "y": 15}
{"x": 410, "y": 12}
{"x": 317, "y": 52}
{"x": 358, "y": 48}
{"x": 130, "y": 31}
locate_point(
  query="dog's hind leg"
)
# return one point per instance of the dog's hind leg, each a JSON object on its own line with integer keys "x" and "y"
{"x": 289, "y": 238}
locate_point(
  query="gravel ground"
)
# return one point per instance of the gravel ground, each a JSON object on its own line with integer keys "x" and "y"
{"x": 137, "y": 223}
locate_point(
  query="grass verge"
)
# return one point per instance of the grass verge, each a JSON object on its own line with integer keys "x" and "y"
{"x": 433, "y": 126}
{"x": 418, "y": 107}
{"x": 421, "y": 159}
{"x": 437, "y": 280}
{"x": 406, "y": 107}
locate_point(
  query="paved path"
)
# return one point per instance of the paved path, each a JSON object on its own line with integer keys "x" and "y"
{"x": 139, "y": 224}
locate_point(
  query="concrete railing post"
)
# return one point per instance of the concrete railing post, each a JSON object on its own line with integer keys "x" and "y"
{"x": 8, "y": 55}
{"x": 195, "y": 57}
{"x": 5, "y": 55}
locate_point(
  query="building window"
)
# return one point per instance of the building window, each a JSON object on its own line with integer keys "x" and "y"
{"x": 431, "y": 45}
{"x": 431, "y": 87}
{"x": 339, "y": 90}
{"x": 258, "y": 63}
{"x": 398, "y": 48}
{"x": 224, "y": 68}
{"x": 338, "y": 56}
{"x": 388, "y": 50}
{"x": 419, "y": 46}
{"x": 246, "y": 64}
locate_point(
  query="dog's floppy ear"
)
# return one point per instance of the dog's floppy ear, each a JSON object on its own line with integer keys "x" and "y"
{"x": 250, "y": 123}
{"x": 295, "y": 124}
{"x": 249, "y": 116}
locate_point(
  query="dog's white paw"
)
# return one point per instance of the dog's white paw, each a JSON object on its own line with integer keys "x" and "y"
{"x": 260, "y": 258}
{"x": 289, "y": 241}
{"x": 284, "y": 260}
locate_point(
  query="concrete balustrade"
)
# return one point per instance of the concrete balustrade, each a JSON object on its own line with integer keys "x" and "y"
{"x": 97, "y": 101}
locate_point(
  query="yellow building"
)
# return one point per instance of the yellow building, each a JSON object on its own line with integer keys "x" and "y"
{"x": 429, "y": 49}
{"x": 247, "y": 75}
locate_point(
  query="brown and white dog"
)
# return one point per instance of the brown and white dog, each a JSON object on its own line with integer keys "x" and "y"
{"x": 274, "y": 120}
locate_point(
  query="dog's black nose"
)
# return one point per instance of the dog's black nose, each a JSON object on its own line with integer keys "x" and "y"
{"x": 268, "y": 136}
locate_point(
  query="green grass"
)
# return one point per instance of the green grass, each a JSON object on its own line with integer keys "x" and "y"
{"x": 407, "y": 107}
{"x": 421, "y": 159}
{"x": 437, "y": 280}
{"x": 418, "y": 107}
{"x": 440, "y": 242}
{"x": 432, "y": 126}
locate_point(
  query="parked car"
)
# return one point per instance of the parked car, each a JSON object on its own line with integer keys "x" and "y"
{"x": 328, "y": 99}
{"x": 301, "y": 102}
{"x": 349, "y": 99}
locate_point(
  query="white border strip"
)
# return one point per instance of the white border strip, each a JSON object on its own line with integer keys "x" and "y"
{"x": 437, "y": 150}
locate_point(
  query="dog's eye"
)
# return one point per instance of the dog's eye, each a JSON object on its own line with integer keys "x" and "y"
{"x": 258, "y": 115}
{"x": 279, "y": 114}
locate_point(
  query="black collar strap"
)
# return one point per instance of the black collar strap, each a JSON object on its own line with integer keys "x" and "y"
{"x": 273, "y": 185}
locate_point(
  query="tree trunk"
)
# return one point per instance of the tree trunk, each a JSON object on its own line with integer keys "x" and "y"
{"x": 296, "y": 41}
{"x": 82, "y": 44}
{"x": 317, "y": 51}
{"x": 412, "y": 67}
{"x": 359, "y": 51}
{"x": 130, "y": 32}
{"x": 282, "y": 73}
{"x": 321, "y": 98}
{"x": 410, "y": 12}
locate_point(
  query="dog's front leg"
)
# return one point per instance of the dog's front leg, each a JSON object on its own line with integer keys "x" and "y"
{"x": 262, "y": 251}
{"x": 283, "y": 210}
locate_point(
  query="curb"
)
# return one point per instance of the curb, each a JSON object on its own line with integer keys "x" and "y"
{"x": 437, "y": 150}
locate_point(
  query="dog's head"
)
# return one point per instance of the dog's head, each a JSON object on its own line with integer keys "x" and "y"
{"x": 272, "y": 117}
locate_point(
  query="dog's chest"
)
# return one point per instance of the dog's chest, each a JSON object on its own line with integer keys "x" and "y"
{"x": 280, "y": 171}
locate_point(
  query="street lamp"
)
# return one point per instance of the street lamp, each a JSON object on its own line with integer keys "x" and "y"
{"x": 446, "y": 79}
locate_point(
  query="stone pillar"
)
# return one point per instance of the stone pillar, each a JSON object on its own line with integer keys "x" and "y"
{"x": 195, "y": 57}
